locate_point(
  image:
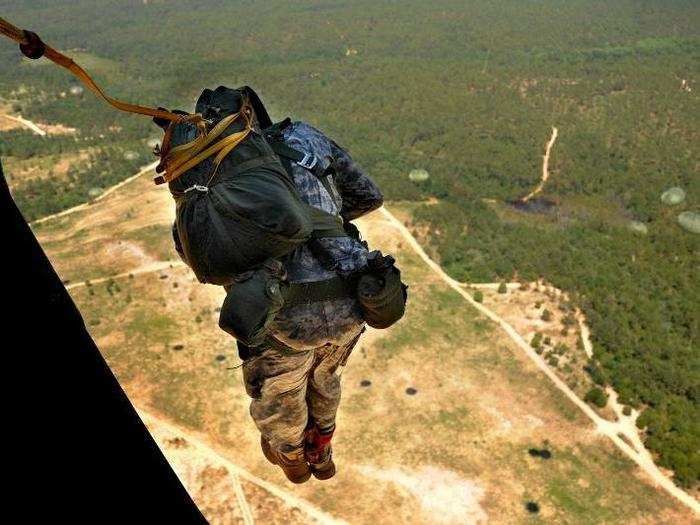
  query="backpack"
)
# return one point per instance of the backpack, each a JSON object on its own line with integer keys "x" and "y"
{"x": 236, "y": 210}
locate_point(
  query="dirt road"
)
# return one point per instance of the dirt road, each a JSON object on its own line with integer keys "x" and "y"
{"x": 108, "y": 191}
{"x": 156, "y": 266}
{"x": 27, "y": 124}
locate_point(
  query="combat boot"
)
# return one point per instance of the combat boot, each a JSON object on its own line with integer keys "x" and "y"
{"x": 319, "y": 452}
{"x": 294, "y": 465}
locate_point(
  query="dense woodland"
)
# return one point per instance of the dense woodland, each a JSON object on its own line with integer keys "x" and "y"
{"x": 469, "y": 92}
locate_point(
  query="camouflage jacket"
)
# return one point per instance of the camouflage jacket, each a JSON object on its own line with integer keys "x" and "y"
{"x": 352, "y": 195}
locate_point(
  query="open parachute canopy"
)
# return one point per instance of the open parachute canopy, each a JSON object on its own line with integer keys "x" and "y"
{"x": 690, "y": 221}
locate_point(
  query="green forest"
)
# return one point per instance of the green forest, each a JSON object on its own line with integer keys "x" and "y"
{"x": 468, "y": 92}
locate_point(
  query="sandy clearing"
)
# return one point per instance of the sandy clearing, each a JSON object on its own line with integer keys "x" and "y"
{"x": 613, "y": 430}
{"x": 444, "y": 496}
{"x": 58, "y": 129}
{"x": 7, "y": 123}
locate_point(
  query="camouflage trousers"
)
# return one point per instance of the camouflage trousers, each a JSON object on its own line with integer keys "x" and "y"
{"x": 290, "y": 388}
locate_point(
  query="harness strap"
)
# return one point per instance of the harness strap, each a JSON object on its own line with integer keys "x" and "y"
{"x": 305, "y": 160}
{"x": 314, "y": 292}
{"x": 184, "y": 157}
{"x": 324, "y": 224}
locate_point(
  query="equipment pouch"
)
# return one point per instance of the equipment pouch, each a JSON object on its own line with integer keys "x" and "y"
{"x": 252, "y": 302}
{"x": 381, "y": 293}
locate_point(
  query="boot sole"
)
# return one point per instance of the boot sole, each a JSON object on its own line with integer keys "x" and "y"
{"x": 324, "y": 474}
{"x": 272, "y": 458}
{"x": 301, "y": 480}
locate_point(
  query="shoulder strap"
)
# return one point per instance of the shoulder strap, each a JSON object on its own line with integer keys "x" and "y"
{"x": 325, "y": 224}
{"x": 305, "y": 160}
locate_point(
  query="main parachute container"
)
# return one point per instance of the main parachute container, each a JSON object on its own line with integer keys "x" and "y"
{"x": 250, "y": 210}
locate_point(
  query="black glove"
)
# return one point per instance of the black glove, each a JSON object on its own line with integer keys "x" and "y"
{"x": 380, "y": 291}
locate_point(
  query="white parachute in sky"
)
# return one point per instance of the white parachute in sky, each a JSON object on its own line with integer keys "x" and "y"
{"x": 690, "y": 221}
{"x": 638, "y": 227}
{"x": 673, "y": 196}
{"x": 418, "y": 175}
{"x": 95, "y": 192}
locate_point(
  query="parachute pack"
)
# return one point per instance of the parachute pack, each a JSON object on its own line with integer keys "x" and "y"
{"x": 237, "y": 211}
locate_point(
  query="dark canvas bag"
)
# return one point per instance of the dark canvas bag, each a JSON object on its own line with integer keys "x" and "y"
{"x": 234, "y": 220}
{"x": 249, "y": 211}
{"x": 253, "y": 301}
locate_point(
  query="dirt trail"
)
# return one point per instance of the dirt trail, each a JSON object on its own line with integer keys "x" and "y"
{"x": 26, "y": 123}
{"x": 608, "y": 428}
{"x": 580, "y": 319}
{"x": 585, "y": 335}
{"x": 545, "y": 167}
{"x": 155, "y": 266}
{"x": 625, "y": 425}
{"x": 104, "y": 194}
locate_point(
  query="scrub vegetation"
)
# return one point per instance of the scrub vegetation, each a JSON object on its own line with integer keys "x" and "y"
{"x": 465, "y": 92}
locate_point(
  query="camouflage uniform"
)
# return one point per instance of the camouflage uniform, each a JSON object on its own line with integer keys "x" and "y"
{"x": 295, "y": 376}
